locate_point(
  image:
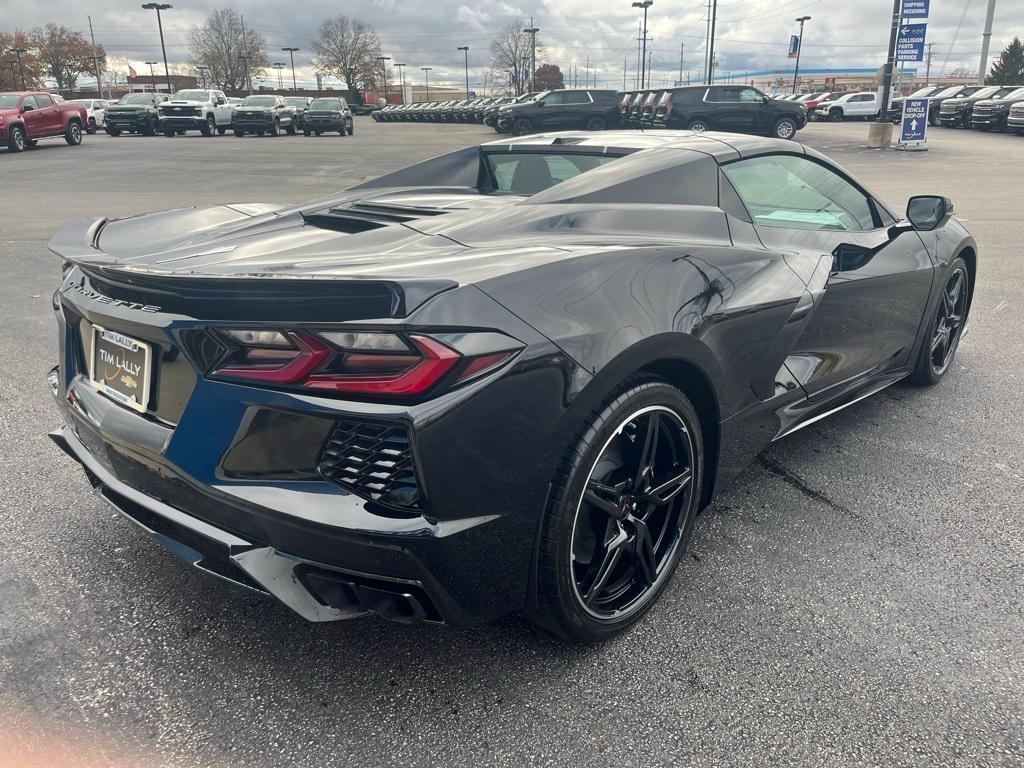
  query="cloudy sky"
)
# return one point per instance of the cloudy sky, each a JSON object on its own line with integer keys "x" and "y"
{"x": 751, "y": 34}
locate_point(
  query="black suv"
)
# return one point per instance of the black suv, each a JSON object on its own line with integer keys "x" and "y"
{"x": 328, "y": 114}
{"x": 563, "y": 110}
{"x": 956, "y": 113}
{"x": 736, "y": 108}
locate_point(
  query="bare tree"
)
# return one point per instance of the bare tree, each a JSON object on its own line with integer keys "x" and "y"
{"x": 348, "y": 49}
{"x": 10, "y": 75}
{"x": 961, "y": 72}
{"x": 221, "y": 42}
{"x": 510, "y": 57}
{"x": 65, "y": 54}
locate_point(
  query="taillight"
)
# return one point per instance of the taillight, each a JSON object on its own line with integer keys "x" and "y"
{"x": 370, "y": 363}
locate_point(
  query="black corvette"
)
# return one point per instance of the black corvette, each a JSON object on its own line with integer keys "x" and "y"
{"x": 505, "y": 379}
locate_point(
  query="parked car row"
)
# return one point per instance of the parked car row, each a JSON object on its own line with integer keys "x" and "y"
{"x": 451, "y": 111}
{"x": 737, "y": 108}
{"x": 28, "y": 116}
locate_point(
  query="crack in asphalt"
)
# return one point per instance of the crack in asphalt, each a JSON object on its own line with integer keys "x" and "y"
{"x": 788, "y": 477}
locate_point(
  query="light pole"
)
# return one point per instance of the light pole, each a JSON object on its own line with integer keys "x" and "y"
{"x": 465, "y": 49}
{"x": 291, "y": 55}
{"x": 245, "y": 72}
{"x": 17, "y": 52}
{"x": 152, "y": 77}
{"x": 203, "y": 69}
{"x": 711, "y": 41}
{"x": 279, "y": 66}
{"x": 645, "y": 4}
{"x": 401, "y": 77}
{"x": 426, "y": 79}
{"x": 161, "y": 7}
{"x": 384, "y": 69}
{"x": 532, "y": 31}
{"x": 799, "y": 46}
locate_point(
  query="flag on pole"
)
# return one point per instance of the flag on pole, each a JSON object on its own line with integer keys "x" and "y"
{"x": 131, "y": 71}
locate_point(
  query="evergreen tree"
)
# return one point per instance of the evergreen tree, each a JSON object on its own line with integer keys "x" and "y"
{"x": 1009, "y": 69}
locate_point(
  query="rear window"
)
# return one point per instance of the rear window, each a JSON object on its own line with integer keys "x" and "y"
{"x": 523, "y": 173}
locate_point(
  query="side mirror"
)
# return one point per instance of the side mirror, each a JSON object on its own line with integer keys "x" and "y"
{"x": 540, "y": 103}
{"x": 27, "y": 107}
{"x": 926, "y": 212}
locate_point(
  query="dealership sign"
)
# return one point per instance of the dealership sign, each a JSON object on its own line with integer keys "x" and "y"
{"x": 914, "y": 125}
{"x": 794, "y": 46}
{"x": 915, "y": 9}
{"x": 910, "y": 44}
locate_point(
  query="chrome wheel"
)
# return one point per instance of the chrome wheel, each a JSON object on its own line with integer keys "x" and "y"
{"x": 949, "y": 323}
{"x": 630, "y": 519}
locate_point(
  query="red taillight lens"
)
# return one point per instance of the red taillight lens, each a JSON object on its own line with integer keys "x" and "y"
{"x": 356, "y": 362}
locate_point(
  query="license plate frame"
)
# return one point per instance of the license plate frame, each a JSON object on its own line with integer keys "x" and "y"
{"x": 137, "y": 398}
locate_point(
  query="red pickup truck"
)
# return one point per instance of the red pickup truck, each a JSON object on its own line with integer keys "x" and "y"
{"x": 27, "y": 116}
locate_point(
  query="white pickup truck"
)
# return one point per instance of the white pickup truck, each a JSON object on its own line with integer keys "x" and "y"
{"x": 843, "y": 106}
{"x": 200, "y": 110}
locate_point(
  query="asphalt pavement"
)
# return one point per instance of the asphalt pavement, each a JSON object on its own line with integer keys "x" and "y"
{"x": 854, "y": 599}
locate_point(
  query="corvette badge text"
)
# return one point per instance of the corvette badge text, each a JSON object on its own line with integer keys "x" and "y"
{"x": 99, "y": 297}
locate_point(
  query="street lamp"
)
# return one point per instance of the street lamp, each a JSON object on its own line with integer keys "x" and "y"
{"x": 291, "y": 54}
{"x": 279, "y": 65}
{"x": 799, "y": 46}
{"x": 645, "y": 4}
{"x": 161, "y": 7}
{"x": 203, "y": 69}
{"x": 401, "y": 77}
{"x": 17, "y": 52}
{"x": 465, "y": 49}
{"x": 532, "y": 32}
{"x": 426, "y": 79}
{"x": 245, "y": 72}
{"x": 152, "y": 77}
{"x": 384, "y": 69}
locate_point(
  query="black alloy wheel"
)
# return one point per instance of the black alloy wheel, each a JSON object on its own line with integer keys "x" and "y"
{"x": 16, "y": 138}
{"x": 940, "y": 347}
{"x": 621, "y": 514}
{"x": 170, "y": 132}
{"x": 596, "y": 124}
{"x": 522, "y": 126}
{"x": 73, "y": 134}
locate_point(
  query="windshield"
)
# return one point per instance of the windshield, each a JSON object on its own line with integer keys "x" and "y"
{"x": 1016, "y": 94}
{"x": 1002, "y": 93}
{"x": 523, "y": 173}
{"x": 921, "y": 92}
{"x": 947, "y": 91}
{"x": 326, "y": 104}
{"x": 295, "y": 101}
{"x": 985, "y": 93}
{"x": 192, "y": 96}
{"x": 259, "y": 101}
{"x": 8, "y": 100}
{"x": 136, "y": 98}
{"x": 83, "y": 102}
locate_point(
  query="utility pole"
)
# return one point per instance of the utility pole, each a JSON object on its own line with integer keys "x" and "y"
{"x": 465, "y": 49}
{"x": 682, "y": 48}
{"x": 636, "y": 80}
{"x": 291, "y": 54}
{"x": 644, "y": 76}
{"x": 426, "y": 79}
{"x": 161, "y": 7}
{"x": 650, "y": 58}
{"x": 532, "y": 30}
{"x": 707, "y": 46}
{"x": 711, "y": 39}
{"x": 986, "y": 38}
{"x": 401, "y": 77}
{"x": 21, "y": 68}
{"x": 152, "y": 77}
{"x": 799, "y": 47}
{"x": 384, "y": 68}
{"x": 586, "y": 69}
{"x": 95, "y": 61}
{"x": 928, "y": 66}
{"x": 279, "y": 66}
{"x": 624, "y": 73}
{"x": 245, "y": 57}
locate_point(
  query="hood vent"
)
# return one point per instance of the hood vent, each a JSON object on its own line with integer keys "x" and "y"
{"x": 363, "y": 217}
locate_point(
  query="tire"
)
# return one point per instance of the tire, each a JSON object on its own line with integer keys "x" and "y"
{"x": 522, "y": 126}
{"x": 699, "y": 125}
{"x": 170, "y": 133}
{"x": 113, "y": 131}
{"x": 319, "y": 132}
{"x": 785, "y": 128}
{"x": 835, "y": 115}
{"x": 90, "y": 128}
{"x": 151, "y": 128}
{"x": 290, "y": 130}
{"x": 260, "y": 132}
{"x": 239, "y": 134}
{"x": 933, "y": 119}
{"x": 73, "y": 134}
{"x": 274, "y": 129}
{"x": 221, "y": 130}
{"x": 351, "y": 128}
{"x": 16, "y": 140}
{"x": 596, "y": 124}
{"x": 307, "y": 132}
{"x": 938, "y": 350}
{"x": 209, "y": 126}
{"x": 571, "y": 598}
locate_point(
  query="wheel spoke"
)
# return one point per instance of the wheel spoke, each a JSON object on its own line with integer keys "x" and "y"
{"x": 612, "y": 554}
{"x": 954, "y": 290}
{"x": 642, "y": 550}
{"x": 605, "y": 505}
{"x": 650, "y": 445}
{"x": 939, "y": 340}
{"x": 666, "y": 489}
{"x": 947, "y": 306}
